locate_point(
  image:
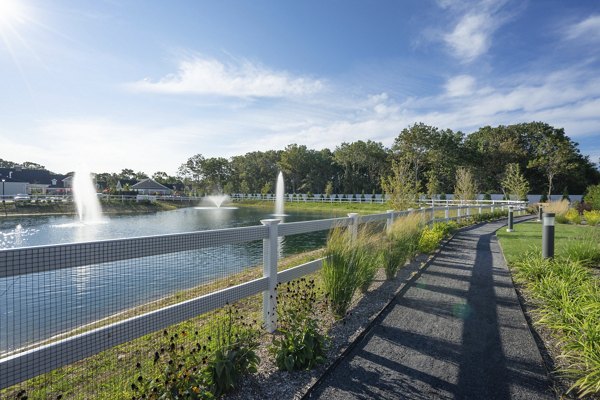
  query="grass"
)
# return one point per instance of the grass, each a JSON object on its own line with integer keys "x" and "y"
{"x": 527, "y": 237}
{"x": 566, "y": 294}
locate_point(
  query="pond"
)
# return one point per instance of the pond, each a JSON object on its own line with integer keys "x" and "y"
{"x": 35, "y": 307}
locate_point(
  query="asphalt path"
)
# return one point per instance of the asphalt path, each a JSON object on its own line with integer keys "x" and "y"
{"x": 457, "y": 331}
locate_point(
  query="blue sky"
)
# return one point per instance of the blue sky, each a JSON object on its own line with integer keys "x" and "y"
{"x": 145, "y": 84}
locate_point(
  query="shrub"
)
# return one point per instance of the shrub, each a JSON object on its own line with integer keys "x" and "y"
{"x": 573, "y": 216}
{"x": 592, "y": 196}
{"x": 430, "y": 240}
{"x": 592, "y": 217}
{"x": 544, "y": 198}
{"x": 401, "y": 242}
{"x": 301, "y": 345}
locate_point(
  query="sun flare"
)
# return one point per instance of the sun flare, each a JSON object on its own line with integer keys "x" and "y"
{"x": 11, "y": 12}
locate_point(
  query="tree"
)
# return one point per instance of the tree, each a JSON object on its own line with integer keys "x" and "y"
{"x": 465, "y": 188}
{"x": 553, "y": 158}
{"x": 433, "y": 184}
{"x": 361, "y": 164}
{"x": 216, "y": 172}
{"x": 190, "y": 172}
{"x": 7, "y": 164}
{"x": 329, "y": 189}
{"x": 126, "y": 173}
{"x": 32, "y": 165}
{"x": 514, "y": 183}
{"x": 401, "y": 185}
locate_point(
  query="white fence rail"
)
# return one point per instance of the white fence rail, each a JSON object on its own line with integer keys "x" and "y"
{"x": 23, "y": 365}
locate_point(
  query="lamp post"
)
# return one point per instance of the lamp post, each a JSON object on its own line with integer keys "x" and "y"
{"x": 510, "y": 219}
{"x": 3, "y": 198}
{"x": 548, "y": 235}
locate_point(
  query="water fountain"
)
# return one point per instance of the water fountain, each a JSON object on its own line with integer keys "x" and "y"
{"x": 279, "y": 188}
{"x": 217, "y": 200}
{"x": 86, "y": 199}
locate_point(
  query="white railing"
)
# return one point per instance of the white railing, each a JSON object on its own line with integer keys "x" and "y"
{"x": 23, "y": 365}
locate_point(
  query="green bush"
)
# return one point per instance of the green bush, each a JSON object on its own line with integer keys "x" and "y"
{"x": 430, "y": 240}
{"x": 573, "y": 216}
{"x": 592, "y": 196}
{"x": 592, "y": 217}
{"x": 301, "y": 344}
{"x": 561, "y": 219}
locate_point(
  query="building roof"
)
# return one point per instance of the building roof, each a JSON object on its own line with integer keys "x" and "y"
{"x": 149, "y": 184}
{"x": 32, "y": 176}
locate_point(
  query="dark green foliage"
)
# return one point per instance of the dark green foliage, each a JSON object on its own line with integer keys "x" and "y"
{"x": 301, "y": 345}
{"x": 201, "y": 365}
{"x": 592, "y": 197}
{"x": 544, "y": 198}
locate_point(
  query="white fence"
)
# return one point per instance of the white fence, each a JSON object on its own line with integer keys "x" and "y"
{"x": 18, "y": 263}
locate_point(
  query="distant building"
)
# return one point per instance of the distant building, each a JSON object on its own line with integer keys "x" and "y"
{"x": 150, "y": 186}
{"x": 36, "y": 181}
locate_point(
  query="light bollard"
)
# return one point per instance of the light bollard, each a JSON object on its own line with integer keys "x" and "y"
{"x": 510, "y": 220}
{"x": 540, "y": 211}
{"x": 548, "y": 235}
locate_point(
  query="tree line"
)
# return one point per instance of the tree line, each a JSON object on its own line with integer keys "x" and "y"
{"x": 542, "y": 156}
{"x": 539, "y": 155}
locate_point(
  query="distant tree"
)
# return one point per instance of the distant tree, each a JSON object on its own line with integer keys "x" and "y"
{"x": 553, "y": 157}
{"x": 141, "y": 175}
{"x": 465, "y": 188}
{"x": 161, "y": 177}
{"x": 126, "y": 173}
{"x": 32, "y": 165}
{"x": 329, "y": 189}
{"x": 433, "y": 184}
{"x": 190, "y": 172}
{"x": 216, "y": 172}
{"x": 514, "y": 183}
{"x": 7, "y": 164}
{"x": 401, "y": 185}
{"x": 266, "y": 189}
{"x": 361, "y": 164}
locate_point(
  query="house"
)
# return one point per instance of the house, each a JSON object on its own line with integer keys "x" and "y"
{"x": 125, "y": 184}
{"x": 150, "y": 186}
{"x": 36, "y": 181}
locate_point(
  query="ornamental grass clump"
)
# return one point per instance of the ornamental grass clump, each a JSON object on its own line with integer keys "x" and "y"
{"x": 400, "y": 243}
{"x": 568, "y": 298}
{"x": 348, "y": 265}
{"x": 301, "y": 345}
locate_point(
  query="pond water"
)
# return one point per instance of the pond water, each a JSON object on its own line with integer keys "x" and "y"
{"x": 35, "y": 307}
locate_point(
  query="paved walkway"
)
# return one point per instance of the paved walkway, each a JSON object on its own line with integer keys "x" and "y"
{"x": 456, "y": 332}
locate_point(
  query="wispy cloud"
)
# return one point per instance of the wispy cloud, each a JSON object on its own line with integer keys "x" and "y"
{"x": 470, "y": 37}
{"x": 208, "y": 76}
{"x": 588, "y": 29}
{"x": 460, "y": 85}
{"x": 473, "y": 28}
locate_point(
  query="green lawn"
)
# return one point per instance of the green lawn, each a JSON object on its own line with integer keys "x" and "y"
{"x": 528, "y": 237}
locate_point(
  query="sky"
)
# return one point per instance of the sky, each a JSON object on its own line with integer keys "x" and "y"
{"x": 146, "y": 84}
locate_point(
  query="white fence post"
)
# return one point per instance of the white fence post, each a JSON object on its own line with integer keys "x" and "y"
{"x": 270, "y": 272}
{"x": 390, "y": 220}
{"x": 447, "y": 213}
{"x": 458, "y": 213}
{"x": 354, "y": 225}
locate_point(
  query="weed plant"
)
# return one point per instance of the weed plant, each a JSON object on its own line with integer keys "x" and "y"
{"x": 301, "y": 344}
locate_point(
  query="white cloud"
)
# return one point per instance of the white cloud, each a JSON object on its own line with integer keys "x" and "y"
{"x": 461, "y": 85}
{"x": 588, "y": 29}
{"x": 470, "y": 37}
{"x": 207, "y": 76}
